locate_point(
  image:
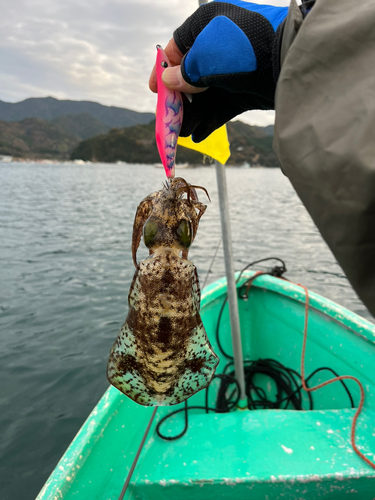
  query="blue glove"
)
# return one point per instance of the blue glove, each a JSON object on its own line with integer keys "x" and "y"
{"x": 230, "y": 47}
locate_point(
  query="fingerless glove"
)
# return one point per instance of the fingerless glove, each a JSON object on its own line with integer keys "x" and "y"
{"x": 230, "y": 47}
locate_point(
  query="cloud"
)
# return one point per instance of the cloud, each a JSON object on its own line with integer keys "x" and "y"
{"x": 99, "y": 50}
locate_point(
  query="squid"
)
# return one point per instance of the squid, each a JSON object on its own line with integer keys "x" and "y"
{"x": 162, "y": 355}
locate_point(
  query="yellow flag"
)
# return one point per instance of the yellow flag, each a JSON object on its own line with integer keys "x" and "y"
{"x": 215, "y": 145}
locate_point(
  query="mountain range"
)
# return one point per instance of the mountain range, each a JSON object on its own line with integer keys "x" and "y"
{"x": 49, "y": 108}
{"x": 61, "y": 129}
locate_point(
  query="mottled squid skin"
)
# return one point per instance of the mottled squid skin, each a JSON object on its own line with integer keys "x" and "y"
{"x": 169, "y": 114}
{"x": 162, "y": 355}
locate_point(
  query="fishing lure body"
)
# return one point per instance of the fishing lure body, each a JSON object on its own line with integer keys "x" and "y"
{"x": 169, "y": 113}
{"x": 162, "y": 355}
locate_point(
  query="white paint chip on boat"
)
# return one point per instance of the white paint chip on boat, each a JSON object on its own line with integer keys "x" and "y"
{"x": 312, "y": 448}
{"x": 330, "y": 431}
{"x": 287, "y": 450}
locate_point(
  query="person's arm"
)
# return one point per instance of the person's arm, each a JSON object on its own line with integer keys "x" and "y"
{"x": 324, "y": 131}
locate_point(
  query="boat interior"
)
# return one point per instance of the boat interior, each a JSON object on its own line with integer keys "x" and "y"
{"x": 256, "y": 453}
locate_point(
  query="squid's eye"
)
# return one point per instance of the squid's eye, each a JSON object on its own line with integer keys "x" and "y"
{"x": 164, "y": 64}
{"x": 183, "y": 233}
{"x": 149, "y": 232}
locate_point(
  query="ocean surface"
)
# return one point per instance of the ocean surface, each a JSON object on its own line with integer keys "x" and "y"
{"x": 65, "y": 271}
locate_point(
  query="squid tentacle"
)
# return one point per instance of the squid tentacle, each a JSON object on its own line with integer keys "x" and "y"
{"x": 191, "y": 191}
{"x": 200, "y": 187}
{"x": 143, "y": 213}
{"x": 193, "y": 216}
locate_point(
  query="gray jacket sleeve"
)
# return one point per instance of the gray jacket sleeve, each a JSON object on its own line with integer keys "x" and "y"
{"x": 325, "y": 128}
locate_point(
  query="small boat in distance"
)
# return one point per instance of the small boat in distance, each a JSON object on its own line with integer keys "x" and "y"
{"x": 6, "y": 159}
{"x": 245, "y": 164}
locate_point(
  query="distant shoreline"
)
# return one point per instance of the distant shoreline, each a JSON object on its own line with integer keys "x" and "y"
{"x": 49, "y": 130}
{"x": 43, "y": 161}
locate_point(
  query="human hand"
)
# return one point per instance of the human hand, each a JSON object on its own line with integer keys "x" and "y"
{"x": 172, "y": 77}
{"x": 229, "y": 47}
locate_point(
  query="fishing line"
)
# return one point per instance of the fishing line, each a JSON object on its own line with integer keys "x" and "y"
{"x": 212, "y": 263}
{"x": 130, "y": 473}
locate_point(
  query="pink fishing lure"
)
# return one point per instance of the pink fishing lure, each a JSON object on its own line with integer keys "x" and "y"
{"x": 169, "y": 112}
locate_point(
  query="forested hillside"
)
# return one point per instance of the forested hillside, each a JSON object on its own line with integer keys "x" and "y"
{"x": 137, "y": 145}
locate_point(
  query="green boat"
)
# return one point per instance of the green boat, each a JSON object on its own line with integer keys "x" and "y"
{"x": 267, "y": 454}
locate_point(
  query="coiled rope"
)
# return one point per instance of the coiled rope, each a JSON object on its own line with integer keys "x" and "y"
{"x": 284, "y": 378}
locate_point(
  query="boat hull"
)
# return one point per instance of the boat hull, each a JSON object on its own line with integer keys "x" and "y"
{"x": 275, "y": 454}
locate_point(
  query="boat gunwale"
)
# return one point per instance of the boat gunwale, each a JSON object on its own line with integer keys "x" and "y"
{"x": 358, "y": 325}
{"x": 66, "y": 469}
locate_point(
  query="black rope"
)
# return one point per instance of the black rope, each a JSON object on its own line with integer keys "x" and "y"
{"x": 277, "y": 271}
{"x": 172, "y": 438}
{"x": 287, "y": 381}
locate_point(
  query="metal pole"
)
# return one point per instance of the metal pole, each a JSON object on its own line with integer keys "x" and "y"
{"x": 229, "y": 271}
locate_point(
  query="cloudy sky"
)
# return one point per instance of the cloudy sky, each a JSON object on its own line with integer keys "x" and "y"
{"x": 97, "y": 50}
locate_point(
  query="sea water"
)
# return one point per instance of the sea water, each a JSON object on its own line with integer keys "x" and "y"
{"x": 66, "y": 267}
